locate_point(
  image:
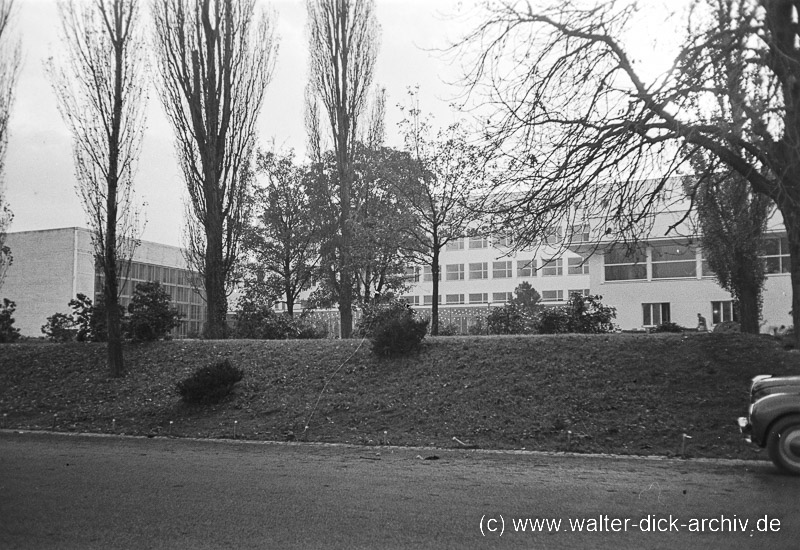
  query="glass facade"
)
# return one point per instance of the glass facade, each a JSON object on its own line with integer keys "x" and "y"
{"x": 178, "y": 283}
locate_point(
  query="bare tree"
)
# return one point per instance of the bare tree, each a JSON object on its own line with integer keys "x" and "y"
{"x": 343, "y": 46}
{"x": 10, "y": 60}
{"x": 447, "y": 174}
{"x": 102, "y": 95}
{"x": 572, "y": 117}
{"x": 216, "y": 58}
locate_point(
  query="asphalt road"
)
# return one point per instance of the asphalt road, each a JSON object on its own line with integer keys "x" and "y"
{"x": 62, "y": 491}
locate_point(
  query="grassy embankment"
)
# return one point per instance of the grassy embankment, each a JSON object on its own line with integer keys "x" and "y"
{"x": 620, "y": 393}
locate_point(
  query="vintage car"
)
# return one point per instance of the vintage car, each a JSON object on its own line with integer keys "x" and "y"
{"x": 773, "y": 420}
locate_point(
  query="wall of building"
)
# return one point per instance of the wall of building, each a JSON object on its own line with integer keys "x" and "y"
{"x": 51, "y": 267}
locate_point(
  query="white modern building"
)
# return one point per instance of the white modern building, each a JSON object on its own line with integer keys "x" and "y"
{"x": 663, "y": 278}
{"x": 50, "y": 267}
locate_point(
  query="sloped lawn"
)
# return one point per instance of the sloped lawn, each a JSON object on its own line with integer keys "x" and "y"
{"x": 619, "y": 393}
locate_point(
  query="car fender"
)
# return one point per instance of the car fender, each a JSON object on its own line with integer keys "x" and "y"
{"x": 767, "y": 410}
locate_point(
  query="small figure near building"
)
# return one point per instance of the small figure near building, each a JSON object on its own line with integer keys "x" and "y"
{"x": 701, "y": 323}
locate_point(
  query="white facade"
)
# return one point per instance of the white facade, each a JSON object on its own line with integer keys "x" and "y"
{"x": 50, "y": 267}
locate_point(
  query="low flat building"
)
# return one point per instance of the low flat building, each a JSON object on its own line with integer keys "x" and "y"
{"x": 50, "y": 267}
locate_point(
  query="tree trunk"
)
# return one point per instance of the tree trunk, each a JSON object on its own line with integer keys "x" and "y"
{"x": 216, "y": 300}
{"x": 435, "y": 298}
{"x": 791, "y": 220}
{"x": 749, "y": 311}
{"x": 116, "y": 365}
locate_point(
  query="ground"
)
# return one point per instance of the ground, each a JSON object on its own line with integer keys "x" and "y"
{"x": 649, "y": 394}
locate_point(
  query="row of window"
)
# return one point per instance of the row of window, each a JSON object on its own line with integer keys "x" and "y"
{"x": 483, "y": 297}
{"x": 551, "y": 235}
{"x": 658, "y": 313}
{"x": 675, "y": 261}
{"x": 501, "y": 270}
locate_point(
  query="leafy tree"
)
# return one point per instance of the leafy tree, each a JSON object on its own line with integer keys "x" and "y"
{"x": 526, "y": 297}
{"x": 447, "y": 169}
{"x": 282, "y": 240}
{"x": 60, "y": 327}
{"x": 150, "y": 313}
{"x": 8, "y": 333}
{"x": 101, "y": 92}
{"x": 571, "y": 117}
{"x": 583, "y": 314}
{"x": 343, "y": 46}
{"x": 216, "y": 59}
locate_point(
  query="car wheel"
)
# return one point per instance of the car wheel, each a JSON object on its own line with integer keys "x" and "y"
{"x": 784, "y": 444}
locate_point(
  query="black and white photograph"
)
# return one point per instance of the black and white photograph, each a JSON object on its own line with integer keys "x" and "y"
{"x": 399, "y": 274}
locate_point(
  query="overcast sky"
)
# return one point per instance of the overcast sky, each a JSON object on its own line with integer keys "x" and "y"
{"x": 39, "y": 181}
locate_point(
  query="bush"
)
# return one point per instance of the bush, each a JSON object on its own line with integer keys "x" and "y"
{"x": 151, "y": 317}
{"x": 209, "y": 384}
{"x": 478, "y": 328}
{"x": 7, "y": 331}
{"x": 668, "y": 327}
{"x": 583, "y": 314}
{"x": 449, "y": 329}
{"x": 261, "y": 322}
{"x": 393, "y": 328}
{"x": 60, "y": 328}
{"x": 90, "y": 319}
{"x": 509, "y": 319}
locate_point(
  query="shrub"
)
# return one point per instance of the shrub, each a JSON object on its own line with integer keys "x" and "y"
{"x": 478, "y": 328}
{"x": 582, "y": 314}
{"x": 90, "y": 319}
{"x": 151, "y": 316}
{"x": 60, "y": 328}
{"x": 393, "y": 328}
{"x": 668, "y": 327}
{"x": 7, "y": 331}
{"x": 509, "y": 319}
{"x": 554, "y": 320}
{"x": 449, "y": 329}
{"x": 209, "y": 384}
{"x": 254, "y": 321}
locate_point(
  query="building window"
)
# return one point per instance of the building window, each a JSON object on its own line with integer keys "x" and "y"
{"x": 577, "y": 266}
{"x": 552, "y": 295}
{"x": 455, "y": 244}
{"x": 655, "y": 314}
{"x": 553, "y": 234}
{"x": 478, "y": 242}
{"x": 478, "y": 270}
{"x": 427, "y": 274}
{"x": 412, "y": 274}
{"x": 454, "y": 272}
{"x": 580, "y": 233}
{"x": 479, "y": 298}
{"x": 552, "y": 267}
{"x": 584, "y": 292}
{"x": 502, "y": 242}
{"x": 723, "y": 311}
{"x": 411, "y": 300}
{"x": 502, "y": 296}
{"x": 428, "y": 299}
{"x": 622, "y": 264}
{"x": 672, "y": 261}
{"x": 526, "y": 268}
{"x": 453, "y": 299}
{"x": 776, "y": 255}
{"x": 502, "y": 270}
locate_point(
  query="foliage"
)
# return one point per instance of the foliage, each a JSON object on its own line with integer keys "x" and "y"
{"x": 668, "y": 327}
{"x": 478, "y": 327}
{"x": 281, "y": 239}
{"x": 90, "y": 319}
{"x": 394, "y": 328}
{"x": 257, "y": 320}
{"x": 8, "y": 333}
{"x": 508, "y": 319}
{"x": 60, "y": 327}
{"x": 583, "y": 314}
{"x": 150, "y": 315}
{"x": 449, "y": 329}
{"x": 526, "y": 297}
{"x": 210, "y": 384}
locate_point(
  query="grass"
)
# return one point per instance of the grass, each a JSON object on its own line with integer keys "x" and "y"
{"x": 619, "y": 393}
